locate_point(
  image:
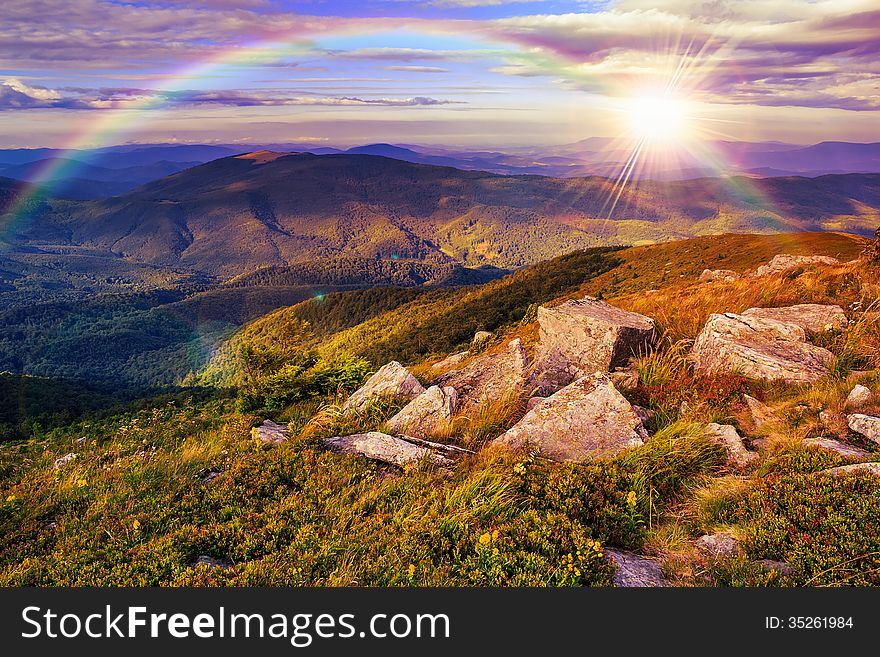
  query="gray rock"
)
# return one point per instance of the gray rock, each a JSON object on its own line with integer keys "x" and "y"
{"x": 727, "y": 437}
{"x": 644, "y": 414}
{"x": 760, "y": 349}
{"x": 581, "y": 337}
{"x": 211, "y": 476}
{"x": 389, "y": 449}
{"x": 270, "y": 433}
{"x": 625, "y": 378}
{"x": 427, "y": 414}
{"x": 480, "y": 337}
{"x": 872, "y": 468}
{"x": 812, "y": 317}
{"x": 783, "y": 262}
{"x": 760, "y": 412}
{"x": 491, "y": 377}
{"x": 391, "y": 381}
{"x": 865, "y": 425}
{"x": 533, "y": 401}
{"x": 64, "y": 460}
{"x": 770, "y": 566}
{"x": 587, "y": 420}
{"x": 715, "y": 546}
{"x": 847, "y": 451}
{"x": 859, "y": 396}
{"x": 450, "y": 361}
{"x": 718, "y": 275}
{"x": 210, "y": 562}
{"x": 635, "y": 571}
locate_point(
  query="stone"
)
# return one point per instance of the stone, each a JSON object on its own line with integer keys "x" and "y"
{"x": 812, "y": 317}
{"x": 780, "y": 567}
{"x": 82, "y": 439}
{"x": 872, "y": 468}
{"x": 533, "y": 401}
{"x": 391, "y": 381}
{"x": 211, "y": 476}
{"x": 831, "y": 444}
{"x": 625, "y": 378}
{"x": 210, "y": 562}
{"x": 480, "y": 337}
{"x": 715, "y": 546}
{"x": 859, "y": 396}
{"x": 760, "y": 349}
{"x": 718, "y": 275}
{"x": 727, "y": 437}
{"x": 865, "y": 425}
{"x": 580, "y": 337}
{"x": 427, "y": 414}
{"x": 450, "y": 361}
{"x": 761, "y": 413}
{"x": 644, "y": 414}
{"x": 64, "y": 460}
{"x": 635, "y": 571}
{"x": 587, "y": 420}
{"x": 270, "y": 433}
{"x": 389, "y": 449}
{"x": 493, "y": 376}
{"x": 783, "y": 262}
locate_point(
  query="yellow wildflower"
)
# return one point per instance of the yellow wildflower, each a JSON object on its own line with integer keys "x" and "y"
{"x": 485, "y": 538}
{"x": 495, "y": 535}
{"x": 411, "y": 570}
{"x": 136, "y": 524}
{"x": 11, "y": 498}
{"x": 81, "y": 483}
{"x": 631, "y": 499}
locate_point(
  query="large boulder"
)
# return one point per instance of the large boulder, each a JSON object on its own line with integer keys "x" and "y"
{"x": 718, "y": 275}
{"x": 727, "y": 437}
{"x": 587, "y": 420}
{"x": 760, "y": 349}
{"x": 865, "y": 425}
{"x": 492, "y": 376}
{"x": 784, "y": 262}
{"x": 833, "y": 445}
{"x": 585, "y": 336}
{"x": 389, "y": 449}
{"x": 872, "y": 469}
{"x": 858, "y": 396}
{"x": 427, "y": 414}
{"x": 450, "y": 361}
{"x": 270, "y": 433}
{"x": 391, "y": 381}
{"x": 635, "y": 571}
{"x": 812, "y": 317}
{"x": 720, "y": 545}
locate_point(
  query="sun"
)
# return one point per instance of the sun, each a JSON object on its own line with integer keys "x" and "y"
{"x": 657, "y": 119}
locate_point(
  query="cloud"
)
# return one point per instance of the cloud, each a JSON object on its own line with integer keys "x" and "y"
{"x": 418, "y": 69}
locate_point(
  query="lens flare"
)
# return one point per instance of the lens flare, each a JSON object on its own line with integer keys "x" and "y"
{"x": 658, "y": 119}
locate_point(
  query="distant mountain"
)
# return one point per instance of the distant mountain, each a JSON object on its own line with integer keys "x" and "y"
{"x": 235, "y": 215}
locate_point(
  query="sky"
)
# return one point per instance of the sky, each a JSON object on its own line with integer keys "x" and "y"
{"x": 459, "y": 73}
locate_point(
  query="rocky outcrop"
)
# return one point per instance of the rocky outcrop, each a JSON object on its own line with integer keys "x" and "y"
{"x": 872, "y": 469}
{"x": 585, "y": 336}
{"x": 270, "y": 433}
{"x": 720, "y": 545}
{"x": 450, "y": 361}
{"x": 727, "y": 437}
{"x": 859, "y": 396}
{"x": 812, "y": 317}
{"x": 389, "y": 449}
{"x": 759, "y": 348}
{"x": 64, "y": 460}
{"x": 587, "y": 420}
{"x": 718, "y": 275}
{"x": 427, "y": 414}
{"x": 492, "y": 376}
{"x": 865, "y": 425}
{"x": 833, "y": 445}
{"x": 783, "y": 262}
{"x": 635, "y": 571}
{"x": 391, "y": 381}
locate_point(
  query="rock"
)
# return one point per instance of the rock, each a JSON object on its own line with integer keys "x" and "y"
{"x": 450, "y": 361}
{"x": 780, "y": 567}
{"x": 270, "y": 433}
{"x": 759, "y": 348}
{"x": 715, "y": 546}
{"x": 859, "y": 396}
{"x": 625, "y": 378}
{"x": 533, "y": 401}
{"x": 382, "y": 447}
{"x": 760, "y": 412}
{"x": 64, "y": 460}
{"x": 635, "y": 571}
{"x": 812, "y": 317}
{"x": 211, "y": 476}
{"x": 718, "y": 275}
{"x": 831, "y": 419}
{"x": 492, "y": 376}
{"x": 727, "y": 437}
{"x": 581, "y": 337}
{"x": 391, "y": 381}
{"x": 872, "y": 468}
{"x": 82, "y": 439}
{"x": 644, "y": 414}
{"x": 847, "y": 451}
{"x": 761, "y": 444}
{"x": 210, "y": 562}
{"x": 587, "y": 420}
{"x": 784, "y": 262}
{"x": 866, "y": 425}
{"x": 480, "y": 337}
{"x": 427, "y": 414}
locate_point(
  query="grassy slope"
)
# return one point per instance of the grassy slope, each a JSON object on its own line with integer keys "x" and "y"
{"x": 132, "y": 508}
